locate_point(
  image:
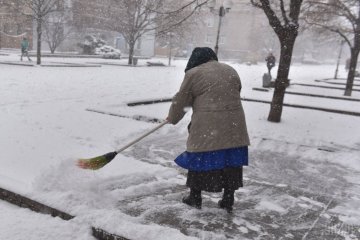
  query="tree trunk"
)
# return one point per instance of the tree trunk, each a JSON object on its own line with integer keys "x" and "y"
{"x": 282, "y": 81}
{"x": 352, "y": 70}
{"x": 39, "y": 33}
{"x": 53, "y": 48}
{"x": 131, "y": 52}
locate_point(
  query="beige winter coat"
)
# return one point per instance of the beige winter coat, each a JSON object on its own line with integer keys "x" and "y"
{"x": 212, "y": 90}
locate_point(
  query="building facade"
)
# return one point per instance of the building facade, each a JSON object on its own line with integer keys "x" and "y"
{"x": 244, "y": 32}
{"x": 14, "y": 26}
{"x": 246, "y": 36}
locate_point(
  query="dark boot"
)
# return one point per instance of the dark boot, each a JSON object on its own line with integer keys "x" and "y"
{"x": 194, "y": 199}
{"x": 227, "y": 201}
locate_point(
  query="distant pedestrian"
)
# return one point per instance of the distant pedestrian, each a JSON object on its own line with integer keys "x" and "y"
{"x": 25, "y": 49}
{"x": 217, "y": 146}
{"x": 270, "y": 62}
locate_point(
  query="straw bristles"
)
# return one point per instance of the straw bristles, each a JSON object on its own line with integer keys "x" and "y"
{"x": 96, "y": 162}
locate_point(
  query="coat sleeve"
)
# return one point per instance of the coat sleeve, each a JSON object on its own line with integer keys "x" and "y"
{"x": 182, "y": 100}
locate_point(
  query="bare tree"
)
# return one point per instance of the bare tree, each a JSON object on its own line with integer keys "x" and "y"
{"x": 177, "y": 35}
{"x": 135, "y": 18}
{"x": 343, "y": 18}
{"x": 283, "y": 17}
{"x": 138, "y": 17}
{"x": 178, "y": 16}
{"x": 56, "y": 31}
{"x": 39, "y": 10}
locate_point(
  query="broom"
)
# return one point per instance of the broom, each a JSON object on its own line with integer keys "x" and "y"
{"x": 100, "y": 161}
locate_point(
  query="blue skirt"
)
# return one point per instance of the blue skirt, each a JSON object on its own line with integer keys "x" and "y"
{"x": 213, "y": 160}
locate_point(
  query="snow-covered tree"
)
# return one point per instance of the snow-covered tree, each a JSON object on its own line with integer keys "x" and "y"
{"x": 341, "y": 17}
{"x": 283, "y": 16}
{"x": 90, "y": 44}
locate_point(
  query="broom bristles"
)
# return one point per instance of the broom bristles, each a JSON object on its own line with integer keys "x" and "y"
{"x": 96, "y": 162}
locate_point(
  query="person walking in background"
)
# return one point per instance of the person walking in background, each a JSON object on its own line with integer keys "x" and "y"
{"x": 270, "y": 62}
{"x": 25, "y": 49}
{"x": 217, "y": 145}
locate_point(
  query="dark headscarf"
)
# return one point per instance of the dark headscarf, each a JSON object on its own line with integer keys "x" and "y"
{"x": 199, "y": 56}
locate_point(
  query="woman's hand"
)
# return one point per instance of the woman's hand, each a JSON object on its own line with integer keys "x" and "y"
{"x": 168, "y": 120}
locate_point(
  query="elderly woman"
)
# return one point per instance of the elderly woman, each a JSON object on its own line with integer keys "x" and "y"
{"x": 218, "y": 139}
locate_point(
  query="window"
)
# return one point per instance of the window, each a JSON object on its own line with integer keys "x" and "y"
{"x": 222, "y": 39}
{"x": 209, "y": 38}
{"x": 210, "y": 21}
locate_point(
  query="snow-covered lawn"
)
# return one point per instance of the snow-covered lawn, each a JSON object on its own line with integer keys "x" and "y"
{"x": 303, "y": 173}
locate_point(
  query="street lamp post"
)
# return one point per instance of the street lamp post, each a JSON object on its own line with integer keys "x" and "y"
{"x": 339, "y": 58}
{"x": 224, "y": 8}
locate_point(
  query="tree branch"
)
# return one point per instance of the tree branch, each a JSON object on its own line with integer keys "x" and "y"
{"x": 256, "y": 4}
{"x": 271, "y": 15}
{"x": 283, "y": 12}
{"x": 334, "y": 30}
{"x": 295, "y": 10}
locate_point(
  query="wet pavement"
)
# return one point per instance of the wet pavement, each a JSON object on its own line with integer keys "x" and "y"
{"x": 284, "y": 197}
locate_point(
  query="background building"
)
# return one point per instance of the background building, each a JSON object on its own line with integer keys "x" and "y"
{"x": 13, "y": 25}
{"x": 243, "y": 34}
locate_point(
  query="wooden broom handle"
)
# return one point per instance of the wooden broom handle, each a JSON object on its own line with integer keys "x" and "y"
{"x": 143, "y": 136}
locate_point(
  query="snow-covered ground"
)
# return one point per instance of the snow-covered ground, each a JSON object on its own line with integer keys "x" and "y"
{"x": 302, "y": 182}
{"x": 20, "y": 223}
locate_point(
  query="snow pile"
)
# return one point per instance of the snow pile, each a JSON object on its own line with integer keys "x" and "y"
{"x": 19, "y": 224}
